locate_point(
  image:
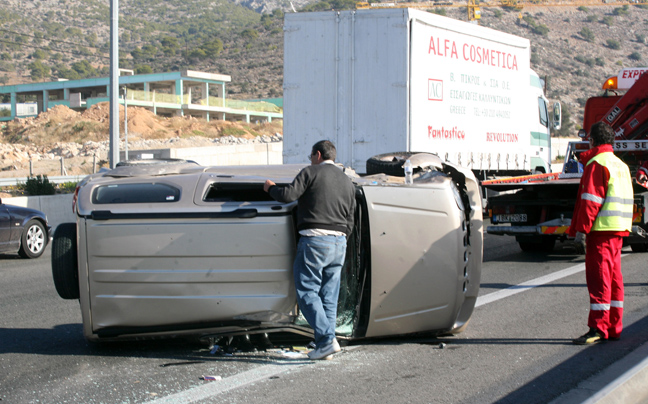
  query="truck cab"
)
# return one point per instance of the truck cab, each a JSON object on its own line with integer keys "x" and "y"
{"x": 537, "y": 209}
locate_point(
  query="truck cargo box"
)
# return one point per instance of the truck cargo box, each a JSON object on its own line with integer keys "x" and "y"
{"x": 377, "y": 81}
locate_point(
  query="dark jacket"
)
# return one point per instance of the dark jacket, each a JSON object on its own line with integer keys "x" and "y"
{"x": 326, "y": 198}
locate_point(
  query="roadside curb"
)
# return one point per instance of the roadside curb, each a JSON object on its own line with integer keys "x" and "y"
{"x": 624, "y": 383}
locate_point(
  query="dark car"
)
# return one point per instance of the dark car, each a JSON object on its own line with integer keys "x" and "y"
{"x": 23, "y": 230}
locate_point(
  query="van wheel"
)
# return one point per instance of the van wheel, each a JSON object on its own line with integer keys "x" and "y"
{"x": 65, "y": 269}
{"x": 392, "y": 163}
{"x": 33, "y": 240}
{"x": 389, "y": 163}
{"x": 639, "y": 247}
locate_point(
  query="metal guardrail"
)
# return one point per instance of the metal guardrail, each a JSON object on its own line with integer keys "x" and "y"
{"x": 8, "y": 182}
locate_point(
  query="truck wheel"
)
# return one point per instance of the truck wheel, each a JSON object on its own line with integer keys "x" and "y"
{"x": 639, "y": 247}
{"x": 65, "y": 270}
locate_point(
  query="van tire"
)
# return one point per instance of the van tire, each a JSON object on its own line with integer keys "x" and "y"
{"x": 388, "y": 163}
{"x": 639, "y": 247}
{"x": 65, "y": 271}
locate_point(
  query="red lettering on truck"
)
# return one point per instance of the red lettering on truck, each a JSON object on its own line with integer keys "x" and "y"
{"x": 501, "y": 137}
{"x": 443, "y": 133}
{"x": 490, "y": 57}
{"x": 441, "y": 48}
{"x": 632, "y": 73}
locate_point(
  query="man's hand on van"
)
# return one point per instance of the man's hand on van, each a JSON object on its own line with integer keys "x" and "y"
{"x": 267, "y": 185}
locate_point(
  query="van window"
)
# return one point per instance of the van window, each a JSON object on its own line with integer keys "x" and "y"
{"x": 544, "y": 114}
{"x": 236, "y": 192}
{"x": 135, "y": 193}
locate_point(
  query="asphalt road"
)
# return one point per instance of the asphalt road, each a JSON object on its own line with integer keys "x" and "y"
{"x": 517, "y": 347}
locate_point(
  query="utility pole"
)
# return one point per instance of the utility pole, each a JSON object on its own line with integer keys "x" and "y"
{"x": 125, "y": 124}
{"x": 114, "y": 84}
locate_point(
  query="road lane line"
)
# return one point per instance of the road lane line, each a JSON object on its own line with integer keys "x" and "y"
{"x": 524, "y": 286}
{"x": 533, "y": 283}
{"x": 212, "y": 388}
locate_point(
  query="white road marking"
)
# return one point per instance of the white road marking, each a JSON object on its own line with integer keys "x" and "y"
{"x": 524, "y": 286}
{"x": 213, "y": 388}
{"x": 210, "y": 389}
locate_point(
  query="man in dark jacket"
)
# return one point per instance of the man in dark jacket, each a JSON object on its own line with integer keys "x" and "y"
{"x": 324, "y": 219}
{"x": 603, "y": 211}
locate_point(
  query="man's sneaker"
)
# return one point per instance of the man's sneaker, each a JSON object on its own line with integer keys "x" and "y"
{"x": 324, "y": 352}
{"x": 614, "y": 338}
{"x": 592, "y": 337}
{"x": 336, "y": 346}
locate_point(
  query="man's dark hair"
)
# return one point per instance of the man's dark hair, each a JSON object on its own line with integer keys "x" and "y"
{"x": 601, "y": 133}
{"x": 326, "y": 149}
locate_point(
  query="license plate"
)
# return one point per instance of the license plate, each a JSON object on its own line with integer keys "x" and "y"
{"x": 511, "y": 218}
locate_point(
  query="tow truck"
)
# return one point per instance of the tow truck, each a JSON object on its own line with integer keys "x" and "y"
{"x": 537, "y": 209}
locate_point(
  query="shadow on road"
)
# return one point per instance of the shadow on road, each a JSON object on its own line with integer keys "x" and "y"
{"x": 68, "y": 340}
{"x": 585, "y": 363}
{"x": 514, "y": 254}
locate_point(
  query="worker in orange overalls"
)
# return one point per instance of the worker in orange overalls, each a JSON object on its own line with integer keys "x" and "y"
{"x": 603, "y": 212}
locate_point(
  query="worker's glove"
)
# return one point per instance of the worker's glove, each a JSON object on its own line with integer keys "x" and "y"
{"x": 580, "y": 242}
{"x": 580, "y": 237}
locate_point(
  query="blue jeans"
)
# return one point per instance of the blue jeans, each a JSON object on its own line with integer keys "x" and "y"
{"x": 317, "y": 270}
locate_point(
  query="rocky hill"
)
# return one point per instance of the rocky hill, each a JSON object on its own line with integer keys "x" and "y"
{"x": 574, "y": 48}
{"x": 65, "y": 142}
{"x": 577, "y": 48}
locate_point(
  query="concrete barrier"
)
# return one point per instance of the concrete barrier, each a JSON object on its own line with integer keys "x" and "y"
{"x": 224, "y": 155}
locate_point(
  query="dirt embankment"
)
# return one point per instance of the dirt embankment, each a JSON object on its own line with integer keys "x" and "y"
{"x": 62, "y": 141}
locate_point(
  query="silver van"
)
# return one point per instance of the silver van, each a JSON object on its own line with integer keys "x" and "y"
{"x": 171, "y": 248}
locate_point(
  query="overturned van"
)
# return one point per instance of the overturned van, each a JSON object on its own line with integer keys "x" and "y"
{"x": 170, "y": 248}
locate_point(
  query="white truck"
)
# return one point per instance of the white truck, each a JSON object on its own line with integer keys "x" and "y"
{"x": 380, "y": 80}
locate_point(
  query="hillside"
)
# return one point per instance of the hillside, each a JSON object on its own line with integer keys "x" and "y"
{"x": 78, "y": 142}
{"x": 574, "y": 48}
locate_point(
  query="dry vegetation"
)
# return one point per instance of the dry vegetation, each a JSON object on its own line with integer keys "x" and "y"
{"x": 61, "y": 124}
{"x": 77, "y": 143}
